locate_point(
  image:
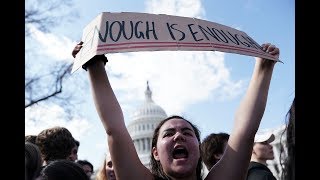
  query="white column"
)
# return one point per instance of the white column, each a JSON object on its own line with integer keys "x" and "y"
{"x": 149, "y": 144}
{"x": 143, "y": 145}
{"x": 140, "y": 146}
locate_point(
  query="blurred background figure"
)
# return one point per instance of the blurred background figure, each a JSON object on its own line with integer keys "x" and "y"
{"x": 86, "y": 166}
{"x": 262, "y": 151}
{"x": 33, "y": 161}
{"x": 212, "y": 148}
{"x": 30, "y": 138}
{"x": 106, "y": 171}
{"x": 74, "y": 151}
{"x": 62, "y": 169}
{"x": 55, "y": 143}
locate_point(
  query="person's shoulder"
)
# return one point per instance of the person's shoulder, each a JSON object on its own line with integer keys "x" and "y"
{"x": 260, "y": 175}
{"x": 255, "y": 165}
{"x": 258, "y": 172}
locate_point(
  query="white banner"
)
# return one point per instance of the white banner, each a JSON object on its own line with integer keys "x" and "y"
{"x": 128, "y": 32}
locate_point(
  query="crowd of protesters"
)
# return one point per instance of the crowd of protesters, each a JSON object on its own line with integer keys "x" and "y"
{"x": 177, "y": 151}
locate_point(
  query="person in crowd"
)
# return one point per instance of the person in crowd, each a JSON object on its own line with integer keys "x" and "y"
{"x": 74, "y": 151}
{"x": 262, "y": 151}
{"x": 55, "y": 143}
{"x": 62, "y": 169}
{"x": 30, "y": 138}
{"x": 86, "y": 166}
{"x": 176, "y": 141}
{"x": 106, "y": 171}
{"x": 33, "y": 161}
{"x": 213, "y": 147}
{"x": 288, "y": 172}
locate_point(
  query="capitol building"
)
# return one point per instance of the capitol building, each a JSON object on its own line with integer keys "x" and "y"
{"x": 148, "y": 115}
{"x": 144, "y": 120}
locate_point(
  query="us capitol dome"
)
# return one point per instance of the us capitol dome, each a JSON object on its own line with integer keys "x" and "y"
{"x": 144, "y": 120}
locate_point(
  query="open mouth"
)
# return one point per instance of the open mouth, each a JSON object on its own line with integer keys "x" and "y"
{"x": 180, "y": 152}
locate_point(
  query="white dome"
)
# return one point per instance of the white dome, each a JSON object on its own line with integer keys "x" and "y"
{"x": 144, "y": 120}
{"x": 149, "y": 108}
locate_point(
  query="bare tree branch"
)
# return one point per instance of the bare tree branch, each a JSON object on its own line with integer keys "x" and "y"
{"x": 45, "y": 14}
{"x": 44, "y": 87}
{"x": 62, "y": 73}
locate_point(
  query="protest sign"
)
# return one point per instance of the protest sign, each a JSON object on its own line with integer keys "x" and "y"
{"x": 130, "y": 31}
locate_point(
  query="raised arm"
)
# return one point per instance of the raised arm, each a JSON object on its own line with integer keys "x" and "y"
{"x": 123, "y": 154}
{"x": 235, "y": 161}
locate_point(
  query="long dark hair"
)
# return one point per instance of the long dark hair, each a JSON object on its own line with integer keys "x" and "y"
{"x": 156, "y": 167}
{"x": 288, "y": 171}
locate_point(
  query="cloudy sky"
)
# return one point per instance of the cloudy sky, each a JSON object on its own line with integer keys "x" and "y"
{"x": 205, "y": 87}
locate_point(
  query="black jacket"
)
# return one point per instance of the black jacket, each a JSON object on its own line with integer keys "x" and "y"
{"x": 258, "y": 171}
